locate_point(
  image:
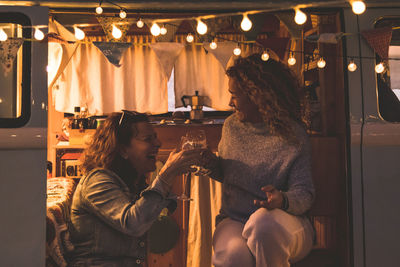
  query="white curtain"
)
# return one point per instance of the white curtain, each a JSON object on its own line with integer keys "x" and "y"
{"x": 90, "y": 80}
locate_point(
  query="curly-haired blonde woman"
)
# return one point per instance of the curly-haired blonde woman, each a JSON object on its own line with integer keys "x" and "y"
{"x": 112, "y": 207}
{"x": 264, "y": 160}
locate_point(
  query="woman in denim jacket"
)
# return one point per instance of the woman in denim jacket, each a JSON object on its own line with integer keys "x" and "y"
{"x": 112, "y": 207}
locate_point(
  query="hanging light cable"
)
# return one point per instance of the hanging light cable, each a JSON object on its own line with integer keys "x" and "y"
{"x": 246, "y": 23}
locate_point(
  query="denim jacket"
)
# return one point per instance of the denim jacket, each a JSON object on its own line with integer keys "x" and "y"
{"x": 108, "y": 222}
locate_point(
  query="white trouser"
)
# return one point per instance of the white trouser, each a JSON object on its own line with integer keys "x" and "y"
{"x": 270, "y": 238}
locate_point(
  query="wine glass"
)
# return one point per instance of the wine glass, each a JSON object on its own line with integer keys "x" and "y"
{"x": 193, "y": 139}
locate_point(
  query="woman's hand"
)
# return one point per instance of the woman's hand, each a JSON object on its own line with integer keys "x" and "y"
{"x": 274, "y": 198}
{"x": 180, "y": 162}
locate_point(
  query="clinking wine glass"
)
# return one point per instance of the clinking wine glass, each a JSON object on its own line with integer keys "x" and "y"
{"x": 195, "y": 139}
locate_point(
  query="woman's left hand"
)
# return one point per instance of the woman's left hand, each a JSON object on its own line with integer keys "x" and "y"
{"x": 274, "y": 198}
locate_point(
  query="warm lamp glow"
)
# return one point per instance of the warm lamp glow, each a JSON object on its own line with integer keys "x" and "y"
{"x": 189, "y": 38}
{"x": 358, "y": 7}
{"x": 352, "y": 66}
{"x": 122, "y": 14}
{"x": 3, "y": 35}
{"x": 213, "y": 45}
{"x": 237, "y": 51}
{"x": 321, "y": 63}
{"x": 155, "y": 29}
{"x": 79, "y": 34}
{"x": 116, "y": 33}
{"x": 163, "y": 30}
{"x": 379, "y": 68}
{"x": 246, "y": 23}
{"x": 99, "y": 10}
{"x": 39, "y": 35}
{"x": 265, "y": 56}
{"x": 201, "y": 27}
{"x": 291, "y": 60}
{"x": 140, "y": 23}
{"x": 300, "y": 18}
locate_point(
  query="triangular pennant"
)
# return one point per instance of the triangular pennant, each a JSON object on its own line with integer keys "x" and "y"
{"x": 276, "y": 44}
{"x": 293, "y": 28}
{"x": 329, "y": 38}
{"x": 167, "y": 53}
{"x": 122, "y": 24}
{"x": 112, "y": 51}
{"x": 169, "y": 36}
{"x": 379, "y": 39}
{"x": 223, "y": 52}
{"x": 8, "y": 53}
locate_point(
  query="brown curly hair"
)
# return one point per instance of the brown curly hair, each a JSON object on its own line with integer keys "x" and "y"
{"x": 116, "y": 132}
{"x": 276, "y": 91}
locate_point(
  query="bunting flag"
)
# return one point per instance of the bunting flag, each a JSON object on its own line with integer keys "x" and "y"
{"x": 122, "y": 24}
{"x": 8, "y": 53}
{"x": 112, "y": 51}
{"x": 167, "y": 52}
{"x": 170, "y": 35}
{"x": 329, "y": 38}
{"x": 222, "y": 53}
{"x": 276, "y": 44}
{"x": 379, "y": 39}
{"x": 293, "y": 28}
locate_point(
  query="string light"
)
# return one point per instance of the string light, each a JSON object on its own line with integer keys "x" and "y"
{"x": 189, "y": 38}
{"x": 140, "y": 23}
{"x": 246, "y": 23}
{"x": 300, "y": 18}
{"x": 116, "y": 33}
{"x": 213, "y": 45}
{"x": 379, "y": 68}
{"x": 358, "y": 7}
{"x": 3, "y": 35}
{"x": 155, "y": 29}
{"x": 265, "y": 56}
{"x": 39, "y": 35}
{"x": 237, "y": 51}
{"x": 99, "y": 10}
{"x": 201, "y": 27}
{"x": 163, "y": 30}
{"x": 79, "y": 34}
{"x": 352, "y": 66}
{"x": 321, "y": 63}
{"x": 122, "y": 14}
{"x": 291, "y": 60}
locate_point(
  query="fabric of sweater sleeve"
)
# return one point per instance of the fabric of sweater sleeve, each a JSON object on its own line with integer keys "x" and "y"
{"x": 104, "y": 195}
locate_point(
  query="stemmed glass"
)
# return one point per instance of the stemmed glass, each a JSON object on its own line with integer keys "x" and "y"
{"x": 193, "y": 139}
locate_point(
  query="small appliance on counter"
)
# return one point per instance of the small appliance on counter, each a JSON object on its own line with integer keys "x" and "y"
{"x": 196, "y": 102}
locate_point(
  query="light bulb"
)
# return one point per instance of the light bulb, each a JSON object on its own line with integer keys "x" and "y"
{"x": 237, "y": 51}
{"x": 265, "y": 56}
{"x": 246, "y": 23}
{"x": 99, "y": 10}
{"x": 213, "y": 45}
{"x": 140, "y": 23}
{"x": 48, "y": 68}
{"x": 189, "y": 38}
{"x": 358, "y": 7}
{"x": 321, "y": 63}
{"x": 3, "y": 35}
{"x": 201, "y": 27}
{"x": 352, "y": 66}
{"x": 163, "y": 30}
{"x": 379, "y": 68}
{"x": 79, "y": 34}
{"x": 122, "y": 14}
{"x": 155, "y": 29}
{"x": 291, "y": 61}
{"x": 39, "y": 35}
{"x": 116, "y": 33}
{"x": 300, "y": 18}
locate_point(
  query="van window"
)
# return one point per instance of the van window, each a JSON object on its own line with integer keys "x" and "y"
{"x": 15, "y": 70}
{"x": 389, "y": 81}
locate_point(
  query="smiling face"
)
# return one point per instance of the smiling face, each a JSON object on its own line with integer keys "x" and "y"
{"x": 142, "y": 149}
{"x": 245, "y": 109}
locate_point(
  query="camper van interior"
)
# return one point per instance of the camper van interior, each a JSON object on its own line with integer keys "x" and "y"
{"x": 168, "y": 59}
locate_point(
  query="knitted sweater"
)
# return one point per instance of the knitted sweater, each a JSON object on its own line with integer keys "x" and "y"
{"x": 252, "y": 158}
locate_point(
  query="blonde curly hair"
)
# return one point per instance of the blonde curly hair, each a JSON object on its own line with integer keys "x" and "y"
{"x": 275, "y": 90}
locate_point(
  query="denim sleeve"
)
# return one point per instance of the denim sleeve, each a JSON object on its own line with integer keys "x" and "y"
{"x": 107, "y": 200}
